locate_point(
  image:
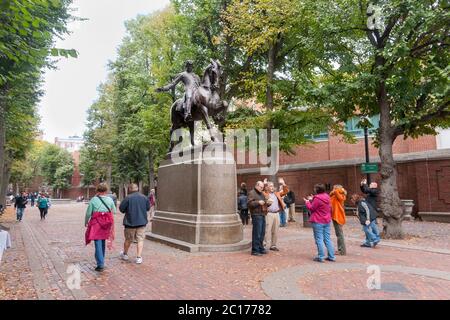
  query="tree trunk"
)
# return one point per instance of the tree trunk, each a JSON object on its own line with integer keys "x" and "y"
{"x": 4, "y": 182}
{"x": 109, "y": 175}
{"x": 390, "y": 204}
{"x": 3, "y": 111}
{"x": 121, "y": 191}
{"x": 151, "y": 172}
{"x": 269, "y": 97}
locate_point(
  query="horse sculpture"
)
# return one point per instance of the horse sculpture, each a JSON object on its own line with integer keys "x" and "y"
{"x": 206, "y": 102}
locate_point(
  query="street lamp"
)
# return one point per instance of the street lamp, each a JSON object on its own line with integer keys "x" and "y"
{"x": 365, "y": 121}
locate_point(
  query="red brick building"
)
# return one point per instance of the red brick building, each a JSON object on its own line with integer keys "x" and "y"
{"x": 423, "y": 169}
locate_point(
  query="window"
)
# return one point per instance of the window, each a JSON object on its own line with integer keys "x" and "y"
{"x": 352, "y": 127}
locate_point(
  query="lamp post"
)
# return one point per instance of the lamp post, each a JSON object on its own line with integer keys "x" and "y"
{"x": 366, "y": 145}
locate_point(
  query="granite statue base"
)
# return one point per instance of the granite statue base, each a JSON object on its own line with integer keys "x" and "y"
{"x": 196, "y": 202}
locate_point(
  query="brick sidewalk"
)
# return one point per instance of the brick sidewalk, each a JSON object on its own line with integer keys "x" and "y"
{"x": 35, "y": 268}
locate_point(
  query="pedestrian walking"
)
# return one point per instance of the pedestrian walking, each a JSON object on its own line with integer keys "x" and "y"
{"x": 32, "y": 199}
{"x": 135, "y": 207}
{"x": 43, "y": 205}
{"x": 368, "y": 218}
{"x": 99, "y": 221}
{"x": 320, "y": 207}
{"x": 275, "y": 207}
{"x": 338, "y": 196}
{"x": 243, "y": 208}
{"x": 257, "y": 206}
{"x": 371, "y": 191}
{"x": 20, "y": 204}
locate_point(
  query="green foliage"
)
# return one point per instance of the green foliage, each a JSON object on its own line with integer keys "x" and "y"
{"x": 56, "y": 166}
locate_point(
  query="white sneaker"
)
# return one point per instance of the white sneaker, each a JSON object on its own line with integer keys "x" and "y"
{"x": 123, "y": 256}
{"x": 139, "y": 260}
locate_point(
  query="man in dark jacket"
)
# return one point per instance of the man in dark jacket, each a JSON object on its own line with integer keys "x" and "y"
{"x": 135, "y": 207}
{"x": 368, "y": 217}
{"x": 20, "y": 204}
{"x": 258, "y": 209}
{"x": 372, "y": 193}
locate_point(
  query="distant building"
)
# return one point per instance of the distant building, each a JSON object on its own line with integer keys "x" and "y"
{"x": 71, "y": 144}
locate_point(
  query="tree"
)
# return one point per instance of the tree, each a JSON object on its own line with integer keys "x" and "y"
{"x": 389, "y": 58}
{"x": 57, "y": 167}
{"x": 26, "y": 41}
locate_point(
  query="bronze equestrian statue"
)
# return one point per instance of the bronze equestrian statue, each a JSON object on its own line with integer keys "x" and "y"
{"x": 201, "y": 99}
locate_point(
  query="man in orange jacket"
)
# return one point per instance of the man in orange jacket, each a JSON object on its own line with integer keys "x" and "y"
{"x": 275, "y": 206}
{"x": 338, "y": 197}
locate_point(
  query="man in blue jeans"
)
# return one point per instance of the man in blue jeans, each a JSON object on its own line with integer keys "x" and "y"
{"x": 20, "y": 204}
{"x": 258, "y": 209}
{"x": 368, "y": 218}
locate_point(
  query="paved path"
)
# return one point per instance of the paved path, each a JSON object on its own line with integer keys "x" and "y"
{"x": 44, "y": 251}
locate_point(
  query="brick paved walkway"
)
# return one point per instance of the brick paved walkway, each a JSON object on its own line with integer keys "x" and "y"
{"x": 35, "y": 268}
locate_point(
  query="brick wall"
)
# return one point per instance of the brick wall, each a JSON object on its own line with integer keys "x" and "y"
{"x": 336, "y": 149}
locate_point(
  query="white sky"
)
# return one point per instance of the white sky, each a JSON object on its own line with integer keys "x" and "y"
{"x": 71, "y": 89}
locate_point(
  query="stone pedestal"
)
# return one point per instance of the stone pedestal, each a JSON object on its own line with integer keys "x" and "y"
{"x": 196, "y": 201}
{"x": 408, "y": 206}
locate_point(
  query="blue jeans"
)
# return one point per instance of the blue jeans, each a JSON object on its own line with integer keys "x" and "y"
{"x": 283, "y": 217}
{"x": 372, "y": 233}
{"x": 19, "y": 213}
{"x": 100, "y": 252}
{"x": 322, "y": 234}
{"x": 258, "y": 233}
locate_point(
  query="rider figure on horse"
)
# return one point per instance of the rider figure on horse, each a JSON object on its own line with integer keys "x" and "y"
{"x": 191, "y": 83}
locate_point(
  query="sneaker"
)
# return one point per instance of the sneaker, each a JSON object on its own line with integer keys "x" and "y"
{"x": 139, "y": 260}
{"x": 376, "y": 242}
{"x": 317, "y": 259}
{"x": 257, "y": 254}
{"x": 274, "y": 249}
{"x": 123, "y": 256}
{"x": 99, "y": 269}
{"x": 331, "y": 260}
{"x": 264, "y": 252}
{"x": 365, "y": 245}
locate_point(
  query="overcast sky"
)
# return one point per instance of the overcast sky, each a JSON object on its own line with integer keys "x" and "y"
{"x": 71, "y": 89}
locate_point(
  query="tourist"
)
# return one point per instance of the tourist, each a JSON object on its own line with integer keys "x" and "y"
{"x": 99, "y": 221}
{"x": 372, "y": 193}
{"x": 32, "y": 199}
{"x": 43, "y": 205}
{"x": 283, "y": 219}
{"x": 275, "y": 207}
{"x": 113, "y": 197}
{"x": 243, "y": 189}
{"x": 20, "y": 204}
{"x": 289, "y": 200}
{"x": 338, "y": 196}
{"x": 135, "y": 207}
{"x": 257, "y": 206}
{"x": 152, "y": 199}
{"x": 243, "y": 208}
{"x": 320, "y": 208}
{"x": 368, "y": 218}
